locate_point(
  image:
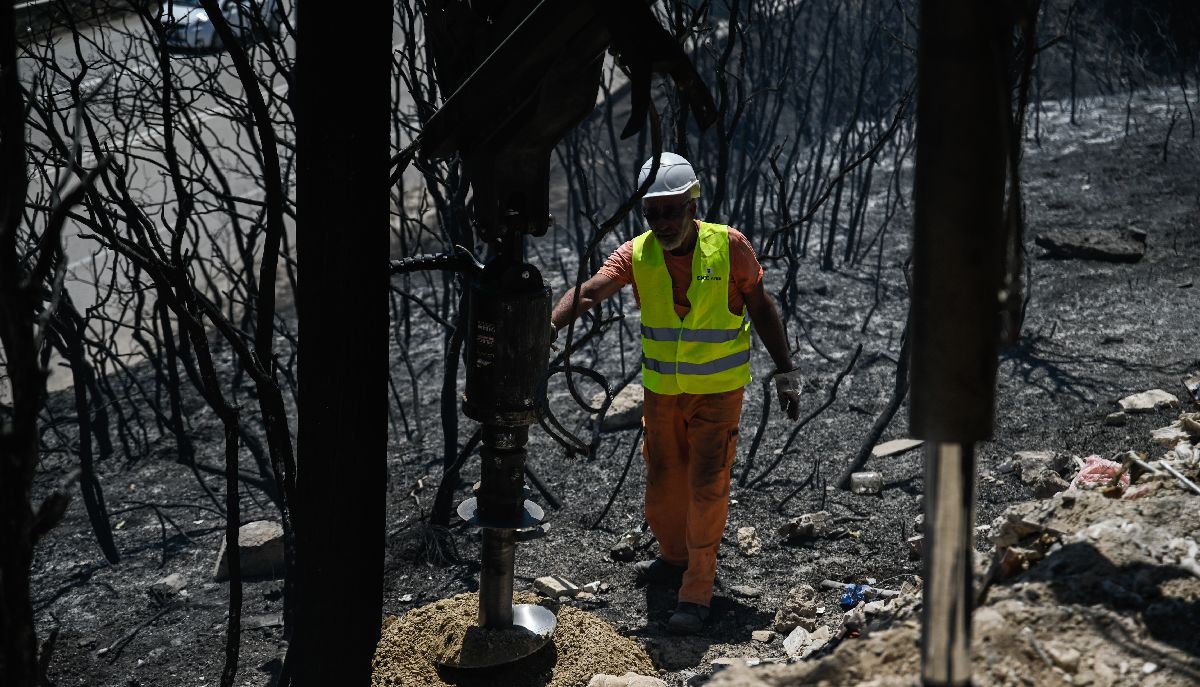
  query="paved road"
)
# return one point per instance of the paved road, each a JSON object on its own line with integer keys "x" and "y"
{"x": 115, "y": 63}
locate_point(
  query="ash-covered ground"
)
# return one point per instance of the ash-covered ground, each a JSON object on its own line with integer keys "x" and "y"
{"x": 1096, "y": 331}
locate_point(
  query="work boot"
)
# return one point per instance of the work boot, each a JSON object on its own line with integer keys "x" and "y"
{"x": 688, "y": 618}
{"x": 658, "y": 571}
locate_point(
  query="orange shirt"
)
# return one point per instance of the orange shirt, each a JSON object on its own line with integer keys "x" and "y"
{"x": 744, "y": 272}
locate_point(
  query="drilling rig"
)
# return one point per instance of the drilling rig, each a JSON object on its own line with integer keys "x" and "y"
{"x": 521, "y": 74}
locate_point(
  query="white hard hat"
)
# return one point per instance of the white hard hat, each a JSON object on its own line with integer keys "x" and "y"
{"x": 675, "y": 176}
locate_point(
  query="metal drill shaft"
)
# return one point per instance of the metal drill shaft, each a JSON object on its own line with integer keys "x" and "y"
{"x": 496, "y": 579}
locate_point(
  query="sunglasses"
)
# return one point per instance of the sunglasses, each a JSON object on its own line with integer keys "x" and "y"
{"x": 668, "y": 212}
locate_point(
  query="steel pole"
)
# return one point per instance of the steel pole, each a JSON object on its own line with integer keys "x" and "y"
{"x": 948, "y": 565}
{"x": 963, "y": 117}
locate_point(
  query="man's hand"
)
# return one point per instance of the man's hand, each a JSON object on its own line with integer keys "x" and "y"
{"x": 787, "y": 387}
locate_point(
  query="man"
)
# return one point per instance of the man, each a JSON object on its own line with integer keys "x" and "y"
{"x": 695, "y": 283}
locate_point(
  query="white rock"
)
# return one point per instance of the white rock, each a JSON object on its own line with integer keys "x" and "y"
{"x": 764, "y": 636}
{"x": 796, "y": 641}
{"x": 747, "y": 541}
{"x": 1184, "y": 451}
{"x": 626, "y": 680}
{"x": 879, "y": 607}
{"x": 626, "y": 409}
{"x": 555, "y": 586}
{"x": 801, "y": 643}
{"x": 168, "y": 586}
{"x": 1064, "y": 657}
{"x": 592, "y": 587}
{"x": 260, "y": 545}
{"x": 1170, "y": 435}
{"x": 1148, "y": 401}
{"x": 895, "y": 447}
{"x": 799, "y": 609}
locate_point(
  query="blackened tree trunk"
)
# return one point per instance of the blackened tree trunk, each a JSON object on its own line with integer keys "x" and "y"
{"x": 25, "y": 380}
{"x": 342, "y": 136}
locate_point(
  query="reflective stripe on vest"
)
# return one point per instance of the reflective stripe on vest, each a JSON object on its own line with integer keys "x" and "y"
{"x": 706, "y": 352}
{"x": 681, "y": 334}
{"x": 711, "y": 367}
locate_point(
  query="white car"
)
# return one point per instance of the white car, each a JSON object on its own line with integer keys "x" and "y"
{"x": 186, "y": 25}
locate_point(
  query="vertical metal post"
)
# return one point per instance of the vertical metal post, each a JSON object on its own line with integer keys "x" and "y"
{"x": 949, "y": 596}
{"x": 496, "y": 578}
{"x": 501, "y": 499}
{"x": 963, "y": 124}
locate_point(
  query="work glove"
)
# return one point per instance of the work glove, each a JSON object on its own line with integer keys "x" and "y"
{"x": 787, "y": 388}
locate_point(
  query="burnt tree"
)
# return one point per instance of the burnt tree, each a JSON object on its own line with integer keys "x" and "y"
{"x": 342, "y": 136}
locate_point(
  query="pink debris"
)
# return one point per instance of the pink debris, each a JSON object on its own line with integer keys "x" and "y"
{"x": 1097, "y": 472}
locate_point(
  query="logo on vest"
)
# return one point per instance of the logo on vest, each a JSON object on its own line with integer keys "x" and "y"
{"x": 707, "y": 276}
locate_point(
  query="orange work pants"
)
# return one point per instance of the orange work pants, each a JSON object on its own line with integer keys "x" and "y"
{"x": 689, "y": 447}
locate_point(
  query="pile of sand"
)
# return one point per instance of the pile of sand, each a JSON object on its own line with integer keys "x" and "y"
{"x": 583, "y": 645}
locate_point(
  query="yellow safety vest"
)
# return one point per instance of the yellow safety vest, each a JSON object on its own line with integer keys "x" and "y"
{"x": 708, "y": 351}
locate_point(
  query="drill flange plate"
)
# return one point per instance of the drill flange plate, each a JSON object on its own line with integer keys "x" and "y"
{"x": 531, "y": 516}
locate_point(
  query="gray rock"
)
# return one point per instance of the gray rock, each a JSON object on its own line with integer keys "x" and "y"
{"x": 626, "y": 547}
{"x": 1093, "y": 243}
{"x": 260, "y": 544}
{"x": 168, "y": 586}
{"x": 1148, "y": 401}
{"x": 1192, "y": 384}
{"x": 1044, "y": 481}
{"x": 916, "y": 545}
{"x": 818, "y": 525}
{"x": 747, "y": 541}
{"x": 1031, "y": 460}
{"x": 625, "y": 412}
{"x": 1117, "y": 419}
{"x": 746, "y": 592}
{"x": 555, "y": 586}
{"x": 255, "y": 622}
